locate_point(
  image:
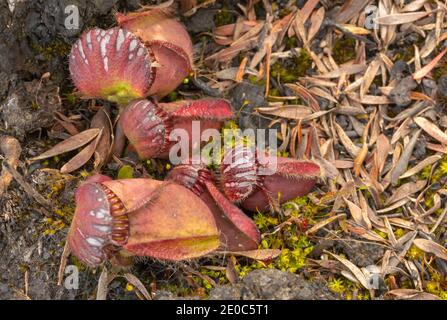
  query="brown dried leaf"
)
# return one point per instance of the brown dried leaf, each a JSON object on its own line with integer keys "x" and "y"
{"x": 63, "y": 263}
{"x": 230, "y": 271}
{"x": 103, "y": 284}
{"x": 418, "y": 75}
{"x": 369, "y": 77}
{"x": 321, "y": 224}
{"x": 69, "y": 144}
{"x": 261, "y": 255}
{"x": 102, "y": 121}
{"x": 138, "y": 284}
{"x": 383, "y": 149}
{"x": 358, "y": 161}
{"x": 364, "y": 233}
{"x": 431, "y": 247}
{"x": 431, "y": 129}
{"x": 308, "y": 8}
{"x": 346, "y": 141}
{"x": 365, "y": 211}
{"x": 408, "y": 112}
{"x": 346, "y": 69}
{"x": 421, "y": 165}
{"x": 288, "y": 112}
{"x": 353, "y": 268}
{"x": 305, "y": 95}
{"x": 402, "y": 164}
{"x": 241, "y": 71}
{"x": 323, "y": 94}
{"x": 437, "y": 147}
{"x": 396, "y": 205}
{"x": 316, "y": 21}
{"x": 414, "y": 5}
{"x": 406, "y": 190}
{"x": 368, "y": 99}
{"x": 401, "y": 18}
{"x": 356, "y": 212}
{"x": 356, "y": 30}
{"x": 82, "y": 157}
{"x": 412, "y": 294}
{"x": 349, "y": 10}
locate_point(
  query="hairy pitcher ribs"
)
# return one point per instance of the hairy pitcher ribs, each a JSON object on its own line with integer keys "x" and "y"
{"x": 148, "y": 54}
{"x": 148, "y": 124}
{"x": 139, "y": 217}
{"x": 257, "y": 180}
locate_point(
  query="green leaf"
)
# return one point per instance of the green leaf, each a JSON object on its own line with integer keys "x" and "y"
{"x": 126, "y": 172}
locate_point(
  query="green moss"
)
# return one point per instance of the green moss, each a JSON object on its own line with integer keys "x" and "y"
{"x": 179, "y": 290}
{"x": 405, "y": 54}
{"x": 173, "y": 96}
{"x": 399, "y": 232}
{"x": 381, "y": 234}
{"x": 441, "y": 170}
{"x": 425, "y": 173}
{"x": 71, "y": 98}
{"x": 337, "y": 285}
{"x": 254, "y": 80}
{"x": 293, "y": 260}
{"x": 435, "y": 286}
{"x": 126, "y": 172}
{"x": 56, "y": 48}
{"x": 274, "y": 92}
{"x": 344, "y": 50}
{"x": 291, "y": 43}
{"x": 290, "y": 70}
{"x": 224, "y": 17}
{"x": 415, "y": 253}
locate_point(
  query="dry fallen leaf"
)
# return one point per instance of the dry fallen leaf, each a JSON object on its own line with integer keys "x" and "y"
{"x": 69, "y": 144}
{"x": 133, "y": 280}
{"x": 103, "y": 285}
{"x": 261, "y": 255}
{"x": 103, "y": 150}
{"x": 82, "y": 157}
{"x": 406, "y": 190}
{"x": 420, "y": 166}
{"x": 401, "y": 165}
{"x": 353, "y": 268}
{"x": 431, "y": 129}
{"x": 431, "y": 247}
{"x": 401, "y": 18}
{"x": 420, "y": 74}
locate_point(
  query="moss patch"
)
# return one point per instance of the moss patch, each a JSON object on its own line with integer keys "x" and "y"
{"x": 344, "y": 50}
{"x": 290, "y": 70}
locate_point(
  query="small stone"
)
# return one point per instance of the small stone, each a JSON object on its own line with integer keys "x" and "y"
{"x": 361, "y": 253}
{"x": 273, "y": 284}
{"x": 400, "y": 95}
{"x": 400, "y": 70}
